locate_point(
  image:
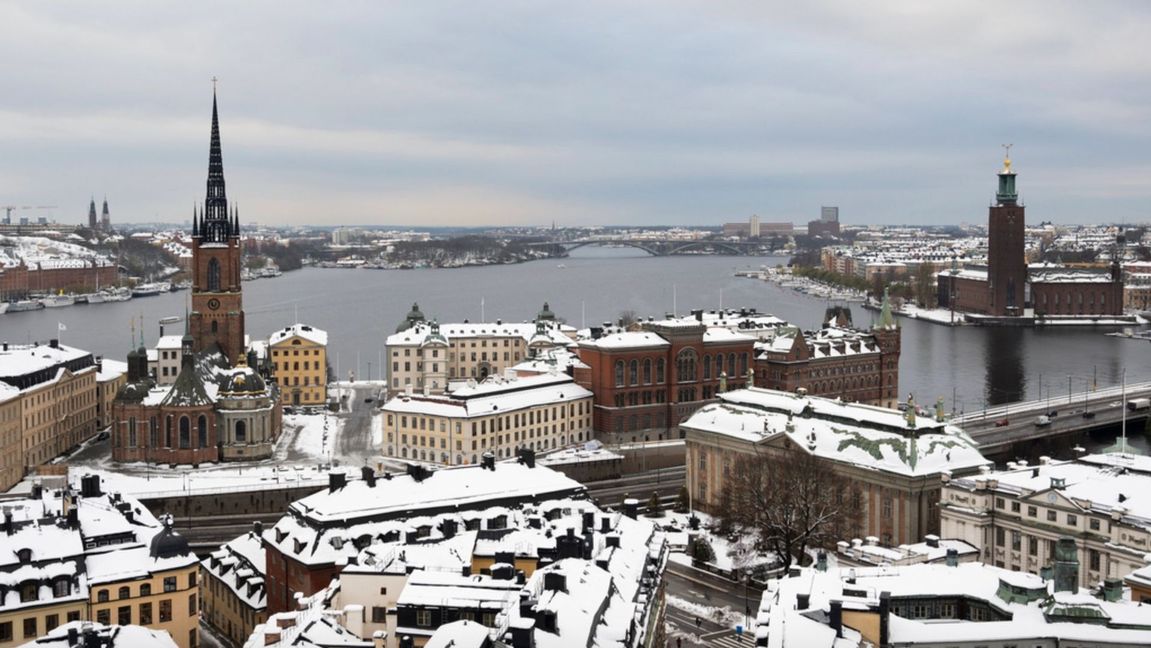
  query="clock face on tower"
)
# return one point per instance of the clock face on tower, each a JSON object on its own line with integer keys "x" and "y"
{"x": 213, "y": 303}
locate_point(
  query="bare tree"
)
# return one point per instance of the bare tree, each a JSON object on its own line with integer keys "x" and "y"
{"x": 791, "y": 501}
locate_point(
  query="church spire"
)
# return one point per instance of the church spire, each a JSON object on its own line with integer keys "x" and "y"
{"x": 216, "y": 203}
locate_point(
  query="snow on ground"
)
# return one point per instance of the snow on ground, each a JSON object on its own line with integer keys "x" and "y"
{"x": 934, "y": 315}
{"x": 729, "y": 555}
{"x": 377, "y": 430}
{"x": 315, "y": 437}
{"x": 724, "y": 616}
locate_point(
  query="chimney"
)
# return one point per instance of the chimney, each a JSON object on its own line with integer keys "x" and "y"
{"x": 605, "y": 524}
{"x": 802, "y": 601}
{"x": 596, "y": 333}
{"x": 336, "y": 481}
{"x": 528, "y": 457}
{"x": 821, "y": 561}
{"x": 73, "y": 632}
{"x": 8, "y": 522}
{"x": 835, "y": 617}
{"x": 952, "y": 558}
{"x": 488, "y": 461}
{"x": 1112, "y": 589}
{"x": 631, "y": 507}
{"x": 90, "y": 486}
{"x": 554, "y": 581}
{"x": 522, "y": 632}
{"x": 588, "y": 520}
{"x": 406, "y": 641}
{"x": 258, "y": 529}
{"x": 54, "y": 343}
{"x": 73, "y": 518}
{"x": 368, "y": 474}
{"x": 932, "y": 540}
{"x": 885, "y": 619}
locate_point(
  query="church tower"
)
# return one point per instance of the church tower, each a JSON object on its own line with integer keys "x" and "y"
{"x": 217, "y": 317}
{"x": 105, "y": 218}
{"x": 1006, "y": 260}
{"x": 92, "y": 215}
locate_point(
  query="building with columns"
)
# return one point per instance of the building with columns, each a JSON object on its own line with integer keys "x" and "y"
{"x": 896, "y": 460}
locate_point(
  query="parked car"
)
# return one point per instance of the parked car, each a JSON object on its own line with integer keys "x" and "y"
{"x": 1002, "y": 423}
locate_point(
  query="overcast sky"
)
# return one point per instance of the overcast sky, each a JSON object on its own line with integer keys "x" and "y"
{"x": 503, "y": 113}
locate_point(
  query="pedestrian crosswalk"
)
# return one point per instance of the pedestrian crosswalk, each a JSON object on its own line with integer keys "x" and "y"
{"x": 732, "y": 640}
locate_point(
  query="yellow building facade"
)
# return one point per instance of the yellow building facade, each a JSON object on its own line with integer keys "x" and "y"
{"x": 299, "y": 357}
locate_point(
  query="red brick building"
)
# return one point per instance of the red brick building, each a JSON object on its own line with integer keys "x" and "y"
{"x": 649, "y": 379}
{"x": 835, "y": 361}
{"x": 71, "y": 275}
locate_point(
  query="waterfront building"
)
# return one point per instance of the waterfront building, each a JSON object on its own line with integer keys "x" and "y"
{"x": 57, "y": 396}
{"x": 520, "y": 552}
{"x": 650, "y": 377}
{"x": 500, "y": 415}
{"x": 93, "y": 556}
{"x": 232, "y": 587}
{"x": 299, "y": 357}
{"x": 217, "y": 407}
{"x": 1017, "y": 516}
{"x": 431, "y": 356}
{"x": 895, "y": 460}
{"x": 953, "y": 605}
{"x": 836, "y": 361}
{"x": 828, "y": 224}
{"x": 1007, "y": 287}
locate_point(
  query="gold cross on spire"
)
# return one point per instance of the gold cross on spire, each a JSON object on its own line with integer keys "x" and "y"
{"x": 1007, "y": 157}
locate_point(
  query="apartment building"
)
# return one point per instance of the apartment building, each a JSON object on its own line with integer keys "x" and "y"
{"x": 232, "y": 585}
{"x": 299, "y": 356}
{"x": 499, "y": 415}
{"x": 57, "y": 396}
{"x": 88, "y": 555}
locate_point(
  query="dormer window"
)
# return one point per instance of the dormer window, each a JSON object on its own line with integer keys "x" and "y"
{"x": 24, "y": 556}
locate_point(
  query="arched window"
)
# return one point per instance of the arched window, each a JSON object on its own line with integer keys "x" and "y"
{"x": 718, "y": 364}
{"x": 125, "y": 592}
{"x": 202, "y": 431}
{"x": 619, "y": 373}
{"x": 168, "y": 432}
{"x": 633, "y": 372}
{"x": 132, "y": 432}
{"x": 241, "y": 432}
{"x": 659, "y": 370}
{"x": 213, "y": 275}
{"x": 707, "y": 367}
{"x": 685, "y": 365}
{"x": 215, "y": 327}
{"x": 185, "y": 432}
{"x": 731, "y": 365}
{"x": 647, "y": 371}
{"x": 61, "y": 587}
{"x": 153, "y": 433}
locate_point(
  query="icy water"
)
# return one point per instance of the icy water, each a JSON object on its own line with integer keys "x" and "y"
{"x": 359, "y": 308}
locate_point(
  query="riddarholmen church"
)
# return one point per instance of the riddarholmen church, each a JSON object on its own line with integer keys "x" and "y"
{"x": 219, "y": 408}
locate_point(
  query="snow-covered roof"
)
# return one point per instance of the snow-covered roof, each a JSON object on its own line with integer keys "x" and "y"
{"x": 1068, "y": 275}
{"x": 301, "y": 533}
{"x": 627, "y": 340}
{"x": 111, "y": 370}
{"x": 863, "y": 435}
{"x": 314, "y": 625}
{"x": 560, "y": 334}
{"x": 459, "y": 634}
{"x": 28, "y": 365}
{"x": 1030, "y": 612}
{"x": 496, "y": 394}
{"x": 106, "y": 636}
{"x": 304, "y": 331}
{"x": 241, "y": 565}
{"x": 169, "y": 342}
{"x": 1101, "y": 483}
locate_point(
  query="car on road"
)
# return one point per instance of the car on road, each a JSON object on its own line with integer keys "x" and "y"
{"x": 1002, "y": 423}
{"x": 1088, "y": 415}
{"x": 1042, "y": 420}
{"x": 369, "y": 399}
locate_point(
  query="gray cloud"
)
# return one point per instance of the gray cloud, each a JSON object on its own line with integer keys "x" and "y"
{"x": 586, "y": 113}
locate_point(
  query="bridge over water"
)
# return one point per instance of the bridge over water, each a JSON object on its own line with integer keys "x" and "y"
{"x": 666, "y": 247}
{"x": 1013, "y": 429}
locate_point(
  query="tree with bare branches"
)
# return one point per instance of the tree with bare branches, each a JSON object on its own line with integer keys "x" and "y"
{"x": 791, "y": 501}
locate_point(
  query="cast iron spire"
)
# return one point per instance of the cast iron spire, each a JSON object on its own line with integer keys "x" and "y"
{"x": 215, "y": 220}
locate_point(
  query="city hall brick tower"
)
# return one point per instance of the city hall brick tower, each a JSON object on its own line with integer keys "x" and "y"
{"x": 1006, "y": 261}
{"x": 217, "y": 317}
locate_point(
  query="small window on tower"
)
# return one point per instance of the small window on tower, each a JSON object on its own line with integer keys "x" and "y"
{"x": 213, "y": 275}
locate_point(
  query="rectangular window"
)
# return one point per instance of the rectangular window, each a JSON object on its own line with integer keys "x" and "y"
{"x": 424, "y": 618}
{"x": 1094, "y": 524}
{"x": 124, "y": 615}
{"x": 1051, "y": 515}
{"x": 145, "y": 614}
{"x": 1093, "y": 560}
{"x": 169, "y": 583}
{"x": 50, "y": 622}
{"x": 1072, "y": 520}
{"x": 104, "y": 616}
{"x": 30, "y": 628}
{"x": 1033, "y": 546}
{"x": 165, "y": 610}
{"x": 193, "y": 608}
{"x": 1015, "y": 507}
{"x": 379, "y": 614}
{"x": 6, "y": 631}
{"x": 1032, "y": 511}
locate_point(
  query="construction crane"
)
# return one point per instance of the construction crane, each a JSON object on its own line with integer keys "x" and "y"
{"x": 8, "y": 209}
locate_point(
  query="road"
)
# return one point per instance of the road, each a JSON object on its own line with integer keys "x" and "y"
{"x": 706, "y": 589}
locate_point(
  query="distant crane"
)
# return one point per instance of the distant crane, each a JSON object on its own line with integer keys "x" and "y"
{"x": 8, "y": 209}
